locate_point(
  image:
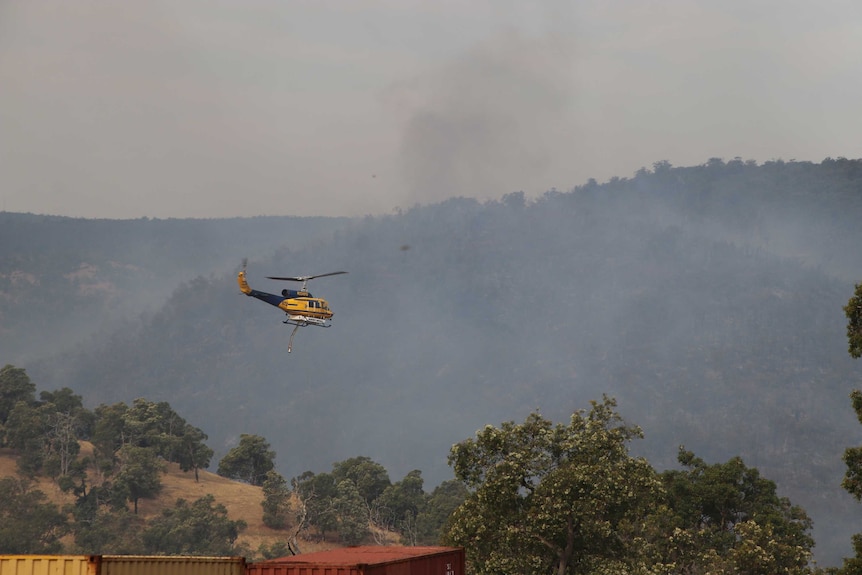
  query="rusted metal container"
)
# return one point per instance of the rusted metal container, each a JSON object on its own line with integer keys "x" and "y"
{"x": 167, "y": 565}
{"x": 49, "y": 565}
{"x": 369, "y": 560}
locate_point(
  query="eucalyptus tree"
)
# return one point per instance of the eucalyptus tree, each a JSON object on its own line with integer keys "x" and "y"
{"x": 853, "y": 311}
{"x": 369, "y": 477}
{"x": 352, "y": 513}
{"x": 546, "y": 498}
{"x": 315, "y": 493}
{"x": 201, "y": 527}
{"x": 249, "y": 461}
{"x": 139, "y": 474}
{"x": 151, "y": 425}
{"x": 852, "y": 482}
{"x": 46, "y": 432}
{"x": 727, "y": 518}
{"x": 29, "y": 523}
{"x": 15, "y": 387}
{"x": 439, "y": 506}
{"x": 399, "y": 506}
{"x": 276, "y": 500}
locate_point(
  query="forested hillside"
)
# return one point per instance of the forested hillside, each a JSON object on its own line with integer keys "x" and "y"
{"x": 706, "y": 299}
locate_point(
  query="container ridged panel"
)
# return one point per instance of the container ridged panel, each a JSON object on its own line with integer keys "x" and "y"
{"x": 48, "y": 565}
{"x": 152, "y": 565}
{"x": 301, "y": 569}
{"x": 367, "y": 560}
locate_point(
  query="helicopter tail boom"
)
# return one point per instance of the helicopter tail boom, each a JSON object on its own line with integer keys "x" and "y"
{"x": 269, "y": 298}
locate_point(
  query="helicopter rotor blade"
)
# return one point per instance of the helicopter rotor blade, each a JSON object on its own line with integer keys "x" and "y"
{"x": 303, "y": 278}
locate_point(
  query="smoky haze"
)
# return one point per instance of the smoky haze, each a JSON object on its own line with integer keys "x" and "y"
{"x": 492, "y": 121}
{"x": 191, "y": 108}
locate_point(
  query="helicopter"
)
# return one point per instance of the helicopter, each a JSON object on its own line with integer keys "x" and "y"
{"x": 302, "y": 308}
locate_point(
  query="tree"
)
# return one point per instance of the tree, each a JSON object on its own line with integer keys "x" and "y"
{"x": 369, "y": 477}
{"x": 158, "y": 426}
{"x": 316, "y": 493}
{"x": 351, "y": 512}
{"x": 439, "y": 506}
{"x": 152, "y": 425}
{"x": 400, "y": 504}
{"x": 139, "y": 474}
{"x": 249, "y": 461}
{"x": 109, "y": 532}
{"x": 46, "y": 432}
{"x": 26, "y": 428}
{"x": 853, "y": 311}
{"x": 852, "y": 481}
{"x": 726, "y": 516}
{"x": 193, "y": 453}
{"x": 65, "y": 421}
{"x": 109, "y": 434}
{"x": 276, "y": 501}
{"x": 550, "y": 498}
{"x": 15, "y": 386}
{"x": 200, "y": 528}
{"x": 28, "y": 524}
{"x": 102, "y": 523}
{"x": 853, "y": 565}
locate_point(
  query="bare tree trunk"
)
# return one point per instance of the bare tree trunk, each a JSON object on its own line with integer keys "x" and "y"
{"x": 292, "y": 540}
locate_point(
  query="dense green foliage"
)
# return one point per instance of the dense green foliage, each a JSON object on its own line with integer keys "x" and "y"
{"x": 853, "y": 311}
{"x": 28, "y": 524}
{"x": 198, "y": 528}
{"x": 15, "y": 387}
{"x": 570, "y": 499}
{"x": 853, "y": 455}
{"x": 725, "y": 517}
{"x": 358, "y": 500}
{"x": 138, "y": 473}
{"x": 401, "y": 505}
{"x": 250, "y": 461}
{"x": 551, "y": 498}
{"x": 276, "y": 501}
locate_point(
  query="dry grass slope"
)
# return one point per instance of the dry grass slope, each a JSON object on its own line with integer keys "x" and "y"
{"x": 241, "y": 500}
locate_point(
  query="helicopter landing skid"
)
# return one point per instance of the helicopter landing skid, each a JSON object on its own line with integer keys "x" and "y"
{"x": 299, "y": 321}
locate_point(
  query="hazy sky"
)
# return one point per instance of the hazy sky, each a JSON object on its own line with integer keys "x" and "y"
{"x": 212, "y": 108}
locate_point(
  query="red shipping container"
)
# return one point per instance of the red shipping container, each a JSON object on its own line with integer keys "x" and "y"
{"x": 369, "y": 560}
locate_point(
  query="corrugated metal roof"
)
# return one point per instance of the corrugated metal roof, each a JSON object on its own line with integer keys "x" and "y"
{"x": 363, "y": 555}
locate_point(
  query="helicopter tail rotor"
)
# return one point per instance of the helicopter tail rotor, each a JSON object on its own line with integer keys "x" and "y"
{"x": 240, "y": 278}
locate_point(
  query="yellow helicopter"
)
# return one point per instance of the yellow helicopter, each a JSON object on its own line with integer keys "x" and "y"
{"x": 302, "y": 308}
